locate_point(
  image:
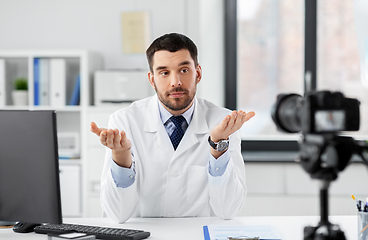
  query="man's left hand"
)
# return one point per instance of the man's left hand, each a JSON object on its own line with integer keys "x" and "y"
{"x": 230, "y": 124}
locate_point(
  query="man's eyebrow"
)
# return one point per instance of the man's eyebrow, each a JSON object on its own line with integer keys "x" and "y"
{"x": 184, "y": 63}
{"x": 160, "y": 68}
{"x": 180, "y": 64}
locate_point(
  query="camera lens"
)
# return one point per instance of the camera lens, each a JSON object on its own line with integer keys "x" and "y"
{"x": 286, "y": 112}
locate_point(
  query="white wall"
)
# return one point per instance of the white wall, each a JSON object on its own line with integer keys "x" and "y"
{"x": 286, "y": 189}
{"x": 95, "y": 25}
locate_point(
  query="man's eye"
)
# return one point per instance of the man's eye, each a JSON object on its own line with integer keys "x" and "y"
{"x": 184, "y": 70}
{"x": 164, "y": 73}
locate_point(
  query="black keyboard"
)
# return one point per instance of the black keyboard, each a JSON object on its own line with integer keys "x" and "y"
{"x": 100, "y": 232}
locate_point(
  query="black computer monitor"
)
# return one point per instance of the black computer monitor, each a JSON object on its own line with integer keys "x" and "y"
{"x": 29, "y": 168}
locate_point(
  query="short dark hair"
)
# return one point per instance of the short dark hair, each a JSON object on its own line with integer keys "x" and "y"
{"x": 172, "y": 42}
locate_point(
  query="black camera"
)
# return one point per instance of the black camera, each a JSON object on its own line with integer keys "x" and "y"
{"x": 318, "y": 112}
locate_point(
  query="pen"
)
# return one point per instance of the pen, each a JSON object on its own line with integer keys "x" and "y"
{"x": 361, "y": 232}
{"x": 358, "y": 203}
{"x": 361, "y": 207}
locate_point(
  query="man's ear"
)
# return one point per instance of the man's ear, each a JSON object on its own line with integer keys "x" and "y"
{"x": 198, "y": 73}
{"x": 151, "y": 79}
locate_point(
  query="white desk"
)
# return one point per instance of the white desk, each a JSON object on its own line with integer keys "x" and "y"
{"x": 290, "y": 228}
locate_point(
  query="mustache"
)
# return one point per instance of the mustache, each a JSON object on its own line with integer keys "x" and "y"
{"x": 177, "y": 89}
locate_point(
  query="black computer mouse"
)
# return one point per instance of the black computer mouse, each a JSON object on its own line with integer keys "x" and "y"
{"x": 22, "y": 227}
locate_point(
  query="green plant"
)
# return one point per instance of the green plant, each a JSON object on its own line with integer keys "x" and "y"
{"x": 21, "y": 84}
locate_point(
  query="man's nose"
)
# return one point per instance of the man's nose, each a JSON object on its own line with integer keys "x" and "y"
{"x": 175, "y": 81}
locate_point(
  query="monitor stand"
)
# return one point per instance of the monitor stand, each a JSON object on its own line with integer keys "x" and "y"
{"x": 22, "y": 227}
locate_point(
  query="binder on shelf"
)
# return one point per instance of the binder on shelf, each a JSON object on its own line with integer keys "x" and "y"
{"x": 44, "y": 82}
{"x": 57, "y": 82}
{"x": 36, "y": 80}
{"x": 75, "y": 98}
{"x": 2, "y": 83}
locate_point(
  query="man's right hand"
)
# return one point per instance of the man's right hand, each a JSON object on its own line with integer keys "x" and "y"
{"x": 117, "y": 142}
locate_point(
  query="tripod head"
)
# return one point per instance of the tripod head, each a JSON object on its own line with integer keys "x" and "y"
{"x": 323, "y": 156}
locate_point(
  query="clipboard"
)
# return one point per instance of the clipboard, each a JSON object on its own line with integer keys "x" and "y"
{"x": 226, "y": 232}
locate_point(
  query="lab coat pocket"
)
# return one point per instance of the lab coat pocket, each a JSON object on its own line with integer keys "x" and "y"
{"x": 197, "y": 185}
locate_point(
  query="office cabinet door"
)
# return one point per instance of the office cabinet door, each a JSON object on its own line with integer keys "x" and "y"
{"x": 70, "y": 190}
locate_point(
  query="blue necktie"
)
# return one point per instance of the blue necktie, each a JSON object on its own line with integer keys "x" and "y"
{"x": 178, "y": 132}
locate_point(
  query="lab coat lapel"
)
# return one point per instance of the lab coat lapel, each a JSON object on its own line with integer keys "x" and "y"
{"x": 197, "y": 128}
{"x": 153, "y": 124}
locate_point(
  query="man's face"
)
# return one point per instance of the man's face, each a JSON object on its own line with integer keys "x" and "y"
{"x": 175, "y": 79}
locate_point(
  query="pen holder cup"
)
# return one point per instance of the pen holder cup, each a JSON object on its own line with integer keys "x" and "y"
{"x": 362, "y": 225}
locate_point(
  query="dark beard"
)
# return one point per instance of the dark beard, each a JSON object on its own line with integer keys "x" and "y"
{"x": 176, "y": 106}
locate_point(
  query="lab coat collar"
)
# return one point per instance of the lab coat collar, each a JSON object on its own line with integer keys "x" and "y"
{"x": 197, "y": 127}
{"x": 153, "y": 118}
{"x": 153, "y": 124}
{"x": 199, "y": 121}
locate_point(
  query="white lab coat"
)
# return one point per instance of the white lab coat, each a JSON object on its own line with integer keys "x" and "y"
{"x": 173, "y": 183}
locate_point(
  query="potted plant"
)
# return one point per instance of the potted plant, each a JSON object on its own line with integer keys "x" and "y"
{"x": 20, "y": 92}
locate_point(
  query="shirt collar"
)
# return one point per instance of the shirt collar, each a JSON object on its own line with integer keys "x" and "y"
{"x": 165, "y": 115}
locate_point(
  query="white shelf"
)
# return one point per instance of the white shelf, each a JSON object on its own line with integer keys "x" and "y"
{"x": 27, "y": 53}
{"x": 70, "y": 118}
{"x": 108, "y": 108}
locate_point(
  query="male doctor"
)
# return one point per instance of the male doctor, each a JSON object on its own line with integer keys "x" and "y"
{"x": 172, "y": 154}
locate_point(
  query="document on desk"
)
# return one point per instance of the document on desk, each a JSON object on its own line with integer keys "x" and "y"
{"x": 222, "y": 232}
